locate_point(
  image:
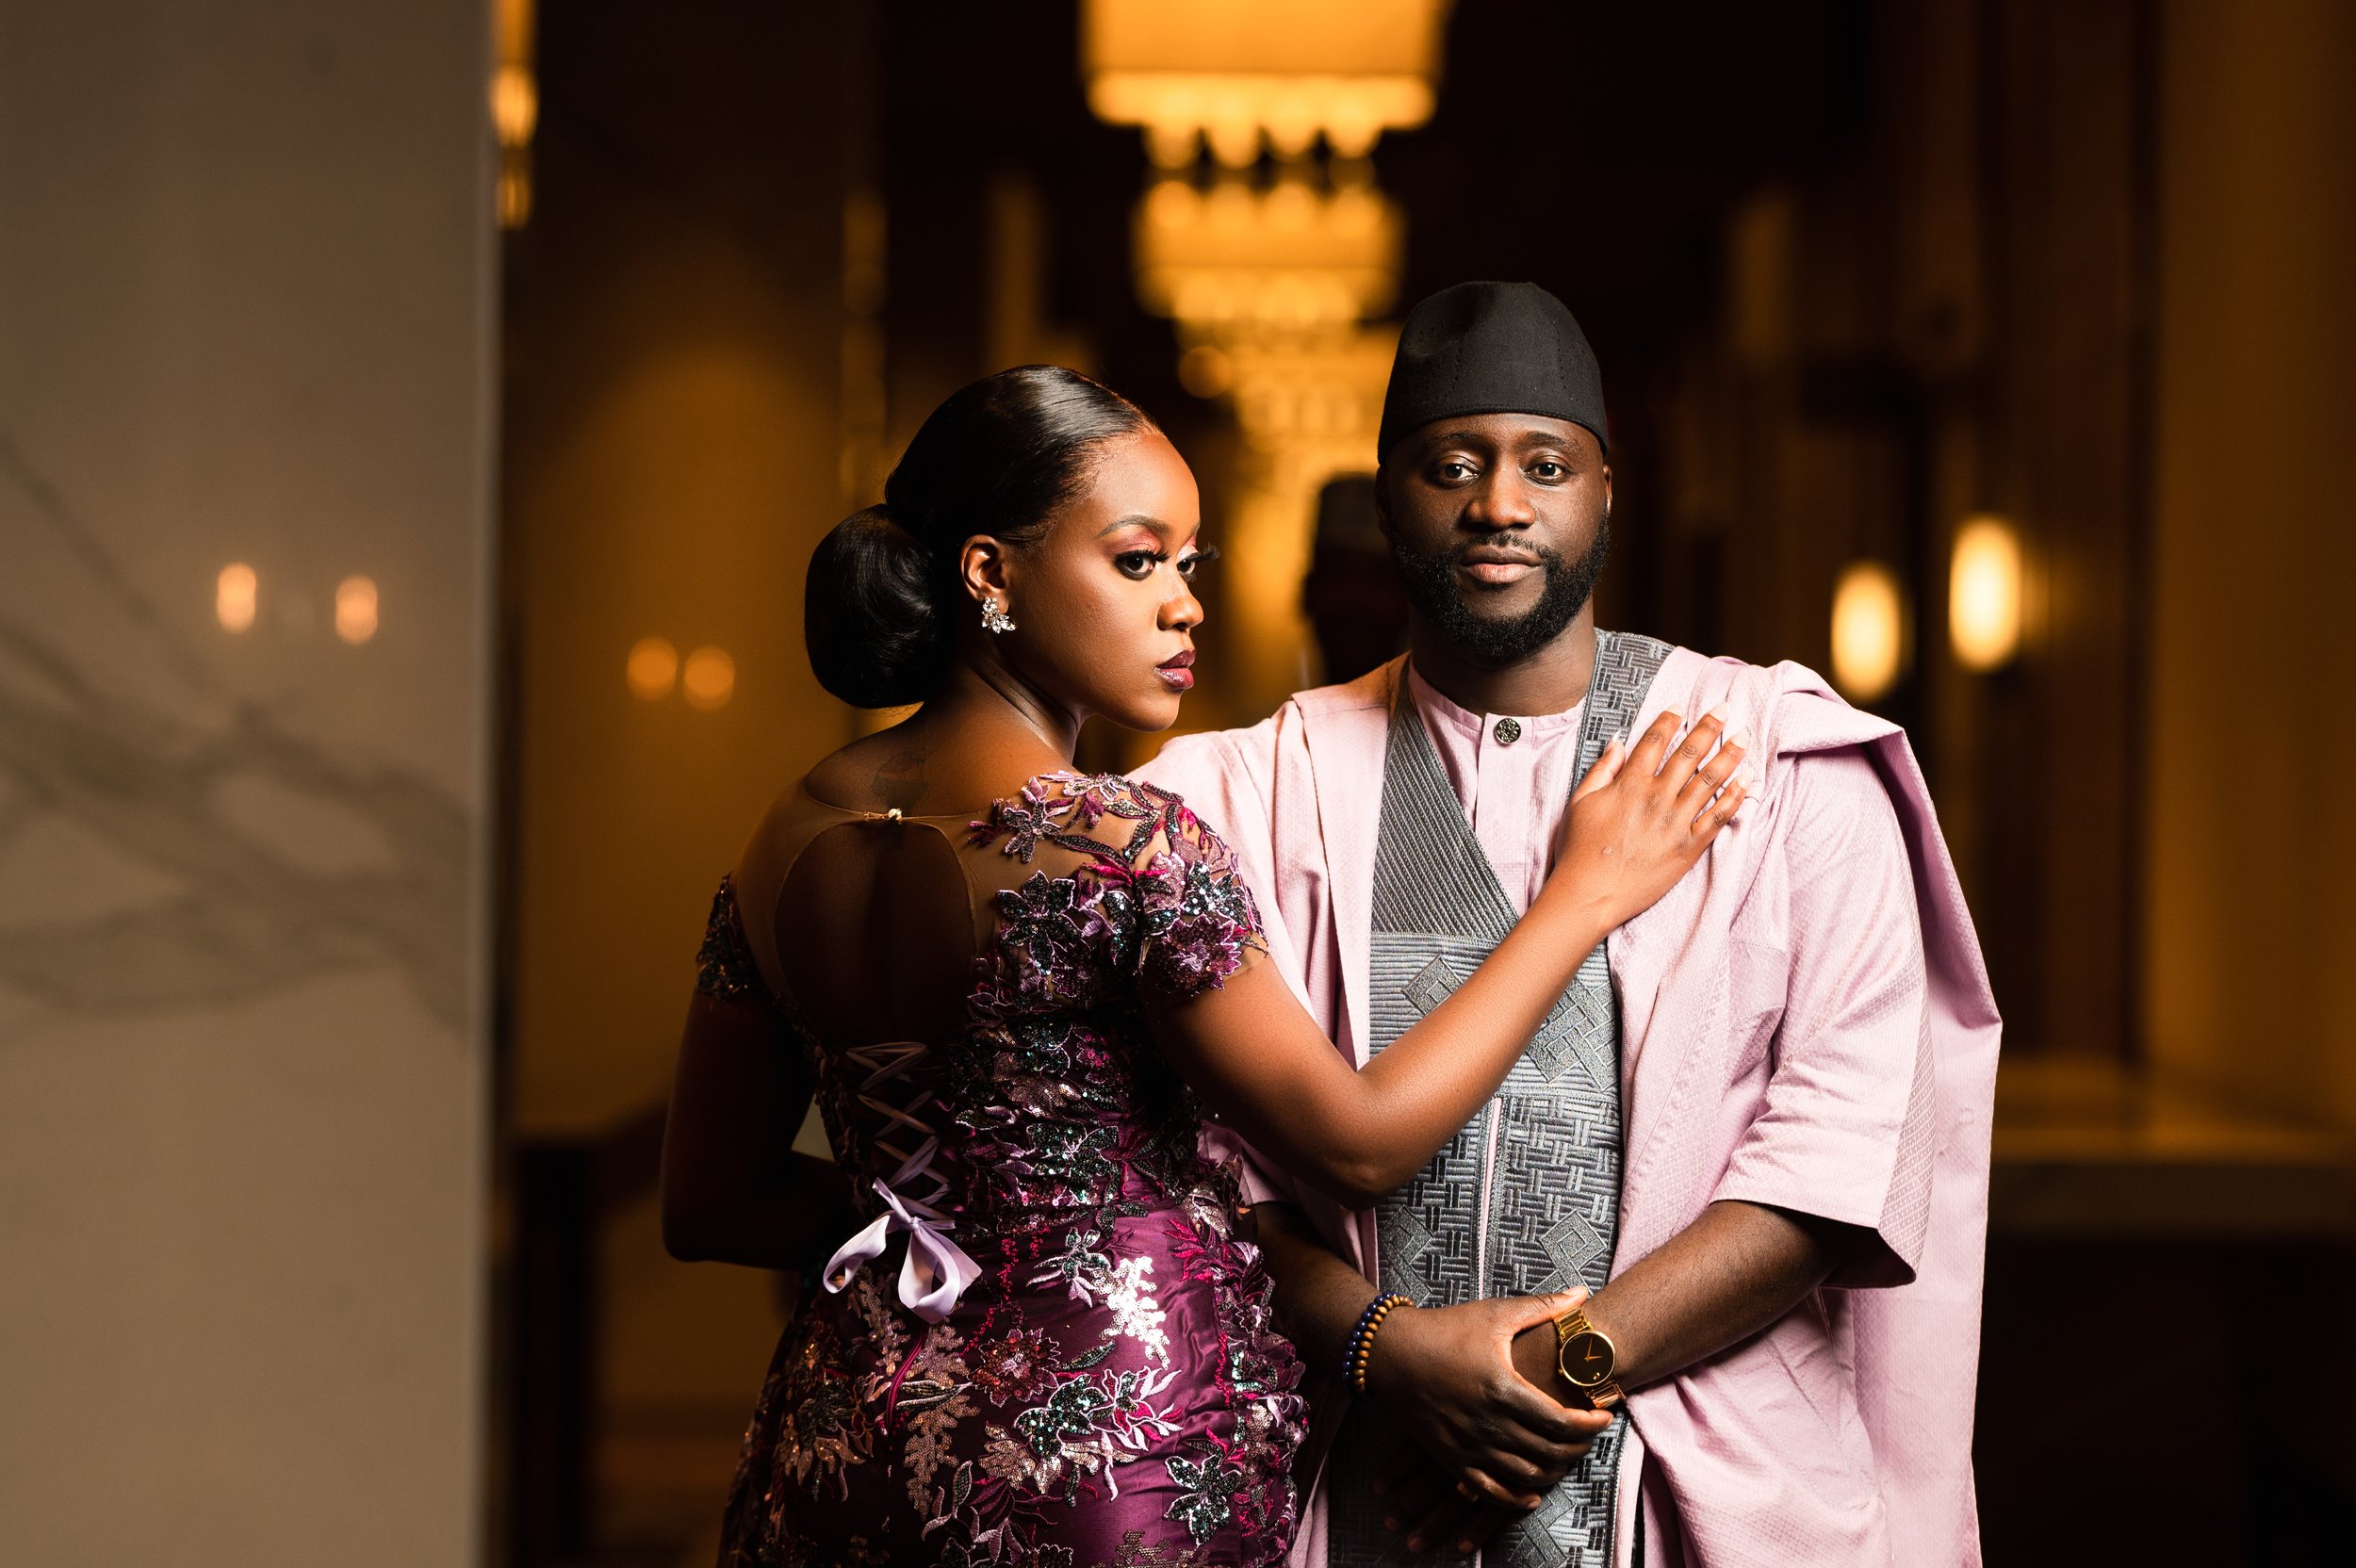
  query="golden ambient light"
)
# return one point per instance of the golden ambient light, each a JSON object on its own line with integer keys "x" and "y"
{"x": 514, "y": 111}
{"x": 355, "y": 609}
{"x": 1868, "y": 631}
{"x": 1984, "y": 594}
{"x": 235, "y": 596}
{"x": 1241, "y": 75}
{"x": 653, "y": 669}
{"x": 710, "y": 676}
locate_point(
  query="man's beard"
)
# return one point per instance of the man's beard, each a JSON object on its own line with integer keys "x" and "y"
{"x": 1437, "y": 594}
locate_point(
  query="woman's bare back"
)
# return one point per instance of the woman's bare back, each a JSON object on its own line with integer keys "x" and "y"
{"x": 863, "y": 901}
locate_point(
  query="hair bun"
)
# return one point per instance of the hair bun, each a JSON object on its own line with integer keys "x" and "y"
{"x": 876, "y": 640}
{"x": 885, "y": 609}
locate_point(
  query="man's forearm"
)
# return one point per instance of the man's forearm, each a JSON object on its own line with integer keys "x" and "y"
{"x": 1732, "y": 1272}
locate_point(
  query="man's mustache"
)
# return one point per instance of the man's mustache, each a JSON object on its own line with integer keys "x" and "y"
{"x": 1488, "y": 552}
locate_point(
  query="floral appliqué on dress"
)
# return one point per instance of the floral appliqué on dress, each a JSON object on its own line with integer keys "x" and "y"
{"x": 1112, "y": 1392}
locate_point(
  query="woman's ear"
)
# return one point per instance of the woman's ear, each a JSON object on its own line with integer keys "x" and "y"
{"x": 982, "y": 567}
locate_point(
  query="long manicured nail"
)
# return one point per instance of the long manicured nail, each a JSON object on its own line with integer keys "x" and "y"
{"x": 1740, "y": 738}
{"x": 1718, "y": 712}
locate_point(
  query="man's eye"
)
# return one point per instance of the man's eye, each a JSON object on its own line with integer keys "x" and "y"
{"x": 1137, "y": 563}
{"x": 1452, "y": 471}
{"x": 1547, "y": 467}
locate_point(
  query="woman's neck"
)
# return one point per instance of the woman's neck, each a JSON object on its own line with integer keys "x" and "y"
{"x": 983, "y": 701}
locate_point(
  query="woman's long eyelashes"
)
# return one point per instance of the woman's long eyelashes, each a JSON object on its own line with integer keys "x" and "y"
{"x": 1140, "y": 565}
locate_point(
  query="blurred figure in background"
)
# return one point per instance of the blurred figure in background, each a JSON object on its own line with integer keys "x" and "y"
{"x": 1356, "y": 605}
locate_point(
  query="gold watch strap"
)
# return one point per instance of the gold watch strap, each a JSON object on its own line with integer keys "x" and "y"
{"x": 1604, "y": 1394}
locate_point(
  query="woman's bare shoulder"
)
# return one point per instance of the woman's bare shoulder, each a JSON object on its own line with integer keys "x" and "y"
{"x": 907, "y": 770}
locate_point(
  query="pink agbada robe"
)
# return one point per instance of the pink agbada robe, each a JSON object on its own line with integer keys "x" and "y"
{"x": 1841, "y": 1434}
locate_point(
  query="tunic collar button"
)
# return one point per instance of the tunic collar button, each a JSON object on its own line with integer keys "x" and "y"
{"x": 1507, "y": 731}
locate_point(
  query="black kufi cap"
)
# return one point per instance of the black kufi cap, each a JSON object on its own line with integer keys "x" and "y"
{"x": 1491, "y": 347}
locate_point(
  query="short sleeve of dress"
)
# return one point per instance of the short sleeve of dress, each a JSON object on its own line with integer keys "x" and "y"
{"x": 1197, "y": 922}
{"x": 724, "y": 965}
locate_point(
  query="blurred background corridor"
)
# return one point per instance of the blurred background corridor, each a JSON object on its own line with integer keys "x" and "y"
{"x": 415, "y": 419}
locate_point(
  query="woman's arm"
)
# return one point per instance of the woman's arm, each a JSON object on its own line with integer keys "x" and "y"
{"x": 1261, "y": 1064}
{"x": 733, "y": 1189}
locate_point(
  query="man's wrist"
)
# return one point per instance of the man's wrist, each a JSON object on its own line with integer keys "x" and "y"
{"x": 1535, "y": 1359}
{"x": 1588, "y": 1359}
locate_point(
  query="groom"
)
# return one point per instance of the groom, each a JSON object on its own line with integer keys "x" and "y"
{"x": 1756, "y": 1125}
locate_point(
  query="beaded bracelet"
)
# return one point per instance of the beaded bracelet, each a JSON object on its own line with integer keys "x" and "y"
{"x": 1360, "y": 1348}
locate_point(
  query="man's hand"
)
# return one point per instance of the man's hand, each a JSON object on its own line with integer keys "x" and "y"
{"x": 1467, "y": 1392}
{"x": 1423, "y": 1495}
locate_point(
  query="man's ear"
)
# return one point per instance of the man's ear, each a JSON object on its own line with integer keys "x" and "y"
{"x": 1382, "y": 500}
{"x": 1607, "y": 491}
{"x": 982, "y": 567}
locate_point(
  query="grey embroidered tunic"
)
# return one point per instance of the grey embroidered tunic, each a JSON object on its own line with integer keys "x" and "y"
{"x": 1525, "y": 1200}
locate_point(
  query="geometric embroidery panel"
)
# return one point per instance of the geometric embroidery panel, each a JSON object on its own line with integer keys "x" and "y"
{"x": 1525, "y": 1199}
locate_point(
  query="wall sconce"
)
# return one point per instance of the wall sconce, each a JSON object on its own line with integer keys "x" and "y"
{"x": 653, "y": 669}
{"x": 235, "y": 594}
{"x": 355, "y": 609}
{"x": 708, "y": 677}
{"x": 1984, "y": 585}
{"x": 1868, "y": 631}
{"x": 514, "y": 111}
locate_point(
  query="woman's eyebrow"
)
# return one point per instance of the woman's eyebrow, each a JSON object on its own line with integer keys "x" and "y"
{"x": 1155, "y": 525}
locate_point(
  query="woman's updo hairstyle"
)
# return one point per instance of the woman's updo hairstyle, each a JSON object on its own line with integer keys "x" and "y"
{"x": 1000, "y": 457}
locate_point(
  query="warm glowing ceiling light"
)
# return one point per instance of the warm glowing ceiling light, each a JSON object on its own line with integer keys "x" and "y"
{"x": 355, "y": 609}
{"x": 653, "y": 669}
{"x": 710, "y": 676}
{"x": 1287, "y": 257}
{"x": 1241, "y": 73}
{"x": 234, "y": 596}
{"x": 1984, "y": 594}
{"x": 1868, "y": 631}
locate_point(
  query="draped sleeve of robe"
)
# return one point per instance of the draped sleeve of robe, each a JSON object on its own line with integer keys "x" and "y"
{"x": 1805, "y": 1023}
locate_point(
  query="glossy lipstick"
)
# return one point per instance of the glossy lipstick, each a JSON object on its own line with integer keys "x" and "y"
{"x": 1178, "y": 669}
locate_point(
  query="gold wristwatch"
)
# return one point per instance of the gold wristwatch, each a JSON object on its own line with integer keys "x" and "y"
{"x": 1588, "y": 1359}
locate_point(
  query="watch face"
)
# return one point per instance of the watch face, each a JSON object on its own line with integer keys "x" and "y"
{"x": 1587, "y": 1360}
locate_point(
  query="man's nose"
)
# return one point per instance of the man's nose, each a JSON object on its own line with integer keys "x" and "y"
{"x": 1503, "y": 500}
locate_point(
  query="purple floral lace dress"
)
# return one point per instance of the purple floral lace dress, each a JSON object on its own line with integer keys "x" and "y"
{"x": 1089, "y": 1375}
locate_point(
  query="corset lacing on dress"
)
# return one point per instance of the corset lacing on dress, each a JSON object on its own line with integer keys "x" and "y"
{"x": 934, "y": 1271}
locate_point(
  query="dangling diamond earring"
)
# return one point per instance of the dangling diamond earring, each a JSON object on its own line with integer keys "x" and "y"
{"x": 994, "y": 619}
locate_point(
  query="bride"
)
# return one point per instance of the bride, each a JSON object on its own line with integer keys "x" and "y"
{"x": 1015, "y": 992}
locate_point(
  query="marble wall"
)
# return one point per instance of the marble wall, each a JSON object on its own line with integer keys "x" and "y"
{"x": 246, "y": 313}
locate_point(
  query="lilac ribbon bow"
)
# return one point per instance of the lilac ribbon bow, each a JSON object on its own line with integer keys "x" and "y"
{"x": 935, "y": 1272}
